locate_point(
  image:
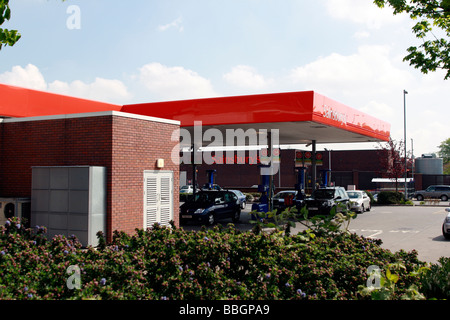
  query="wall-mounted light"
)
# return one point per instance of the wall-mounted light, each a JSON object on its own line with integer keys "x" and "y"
{"x": 160, "y": 163}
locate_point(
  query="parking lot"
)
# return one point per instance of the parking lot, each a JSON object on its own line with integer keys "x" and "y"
{"x": 399, "y": 227}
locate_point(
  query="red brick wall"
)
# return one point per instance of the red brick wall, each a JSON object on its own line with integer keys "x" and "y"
{"x": 137, "y": 144}
{"x": 61, "y": 142}
{"x": 126, "y": 146}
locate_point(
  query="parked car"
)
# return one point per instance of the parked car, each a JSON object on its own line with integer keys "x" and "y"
{"x": 209, "y": 206}
{"x": 359, "y": 201}
{"x": 288, "y": 198}
{"x": 187, "y": 189}
{"x": 241, "y": 197}
{"x": 438, "y": 191}
{"x": 207, "y": 187}
{"x": 446, "y": 225}
{"x": 323, "y": 200}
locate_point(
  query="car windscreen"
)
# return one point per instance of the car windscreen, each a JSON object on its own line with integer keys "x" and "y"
{"x": 323, "y": 194}
{"x": 206, "y": 197}
{"x": 354, "y": 195}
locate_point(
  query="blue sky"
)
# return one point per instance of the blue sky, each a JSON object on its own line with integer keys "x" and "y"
{"x": 143, "y": 51}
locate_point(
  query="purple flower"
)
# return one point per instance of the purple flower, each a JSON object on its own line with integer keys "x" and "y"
{"x": 267, "y": 275}
{"x": 18, "y": 226}
{"x": 30, "y": 295}
{"x": 205, "y": 238}
{"x": 66, "y": 252}
{"x": 300, "y": 292}
{"x": 2, "y": 253}
{"x": 103, "y": 281}
{"x": 287, "y": 285}
{"x": 8, "y": 223}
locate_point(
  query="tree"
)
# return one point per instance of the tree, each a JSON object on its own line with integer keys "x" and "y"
{"x": 434, "y": 52}
{"x": 444, "y": 150}
{"x": 444, "y": 153}
{"x": 392, "y": 160}
{"x": 7, "y": 37}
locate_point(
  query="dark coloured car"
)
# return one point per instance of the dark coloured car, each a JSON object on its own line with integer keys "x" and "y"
{"x": 441, "y": 192}
{"x": 288, "y": 198}
{"x": 324, "y": 199}
{"x": 210, "y": 206}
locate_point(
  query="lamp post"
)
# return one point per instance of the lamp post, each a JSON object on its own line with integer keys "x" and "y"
{"x": 406, "y": 158}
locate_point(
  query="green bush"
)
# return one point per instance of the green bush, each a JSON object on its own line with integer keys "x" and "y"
{"x": 390, "y": 197}
{"x": 436, "y": 282}
{"x": 172, "y": 263}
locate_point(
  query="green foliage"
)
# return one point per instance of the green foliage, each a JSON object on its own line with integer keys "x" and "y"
{"x": 390, "y": 197}
{"x": 321, "y": 225}
{"x": 388, "y": 290}
{"x": 444, "y": 151}
{"x": 433, "y": 53}
{"x": 7, "y": 37}
{"x": 435, "y": 283}
{"x": 171, "y": 263}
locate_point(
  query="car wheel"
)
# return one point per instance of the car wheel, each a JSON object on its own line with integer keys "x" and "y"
{"x": 363, "y": 209}
{"x": 243, "y": 204}
{"x": 369, "y": 207}
{"x": 419, "y": 197}
{"x": 444, "y": 197}
{"x": 446, "y": 235}
{"x": 211, "y": 219}
{"x": 236, "y": 216}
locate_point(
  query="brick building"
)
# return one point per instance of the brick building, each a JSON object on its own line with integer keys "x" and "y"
{"x": 126, "y": 145}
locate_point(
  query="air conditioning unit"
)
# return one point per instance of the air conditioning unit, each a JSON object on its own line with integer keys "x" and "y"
{"x": 15, "y": 207}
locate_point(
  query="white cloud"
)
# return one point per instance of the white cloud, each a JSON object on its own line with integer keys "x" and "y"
{"x": 361, "y": 35}
{"x": 370, "y": 70}
{"x": 105, "y": 90}
{"x": 247, "y": 77}
{"x": 29, "y": 77}
{"x": 170, "y": 83}
{"x": 361, "y": 12}
{"x": 176, "y": 24}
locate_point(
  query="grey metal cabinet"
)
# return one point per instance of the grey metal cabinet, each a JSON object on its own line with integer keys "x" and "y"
{"x": 70, "y": 201}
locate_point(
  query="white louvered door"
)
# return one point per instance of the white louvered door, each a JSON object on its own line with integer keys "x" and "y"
{"x": 158, "y": 198}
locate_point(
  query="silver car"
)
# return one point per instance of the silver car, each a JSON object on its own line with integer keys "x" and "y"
{"x": 359, "y": 201}
{"x": 446, "y": 225}
{"x": 442, "y": 192}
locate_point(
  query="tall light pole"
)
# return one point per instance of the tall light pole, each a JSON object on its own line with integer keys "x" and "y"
{"x": 406, "y": 158}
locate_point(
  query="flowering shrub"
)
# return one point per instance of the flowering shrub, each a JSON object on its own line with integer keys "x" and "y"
{"x": 171, "y": 263}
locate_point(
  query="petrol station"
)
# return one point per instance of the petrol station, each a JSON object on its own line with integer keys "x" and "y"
{"x": 305, "y": 117}
{"x": 43, "y": 135}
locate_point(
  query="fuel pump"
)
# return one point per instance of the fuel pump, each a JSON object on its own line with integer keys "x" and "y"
{"x": 264, "y": 188}
{"x": 210, "y": 178}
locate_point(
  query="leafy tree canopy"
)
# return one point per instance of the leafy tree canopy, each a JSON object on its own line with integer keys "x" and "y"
{"x": 7, "y": 37}
{"x": 444, "y": 150}
{"x": 434, "y": 52}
